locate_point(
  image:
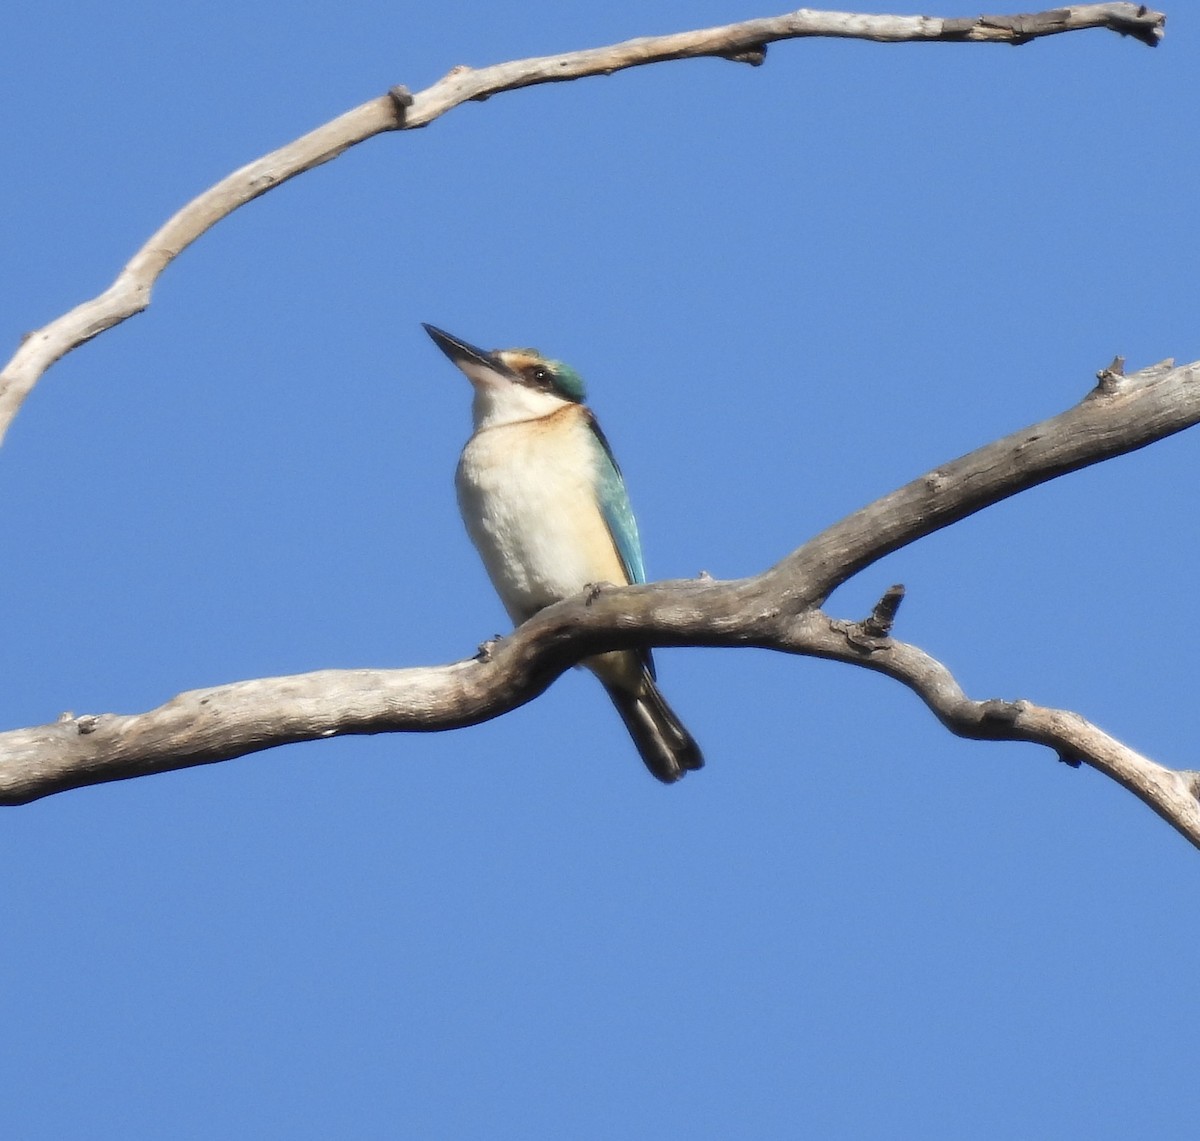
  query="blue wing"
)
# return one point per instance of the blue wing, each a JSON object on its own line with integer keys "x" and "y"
{"x": 614, "y": 505}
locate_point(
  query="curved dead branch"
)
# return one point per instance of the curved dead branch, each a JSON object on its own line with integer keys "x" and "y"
{"x": 744, "y": 42}
{"x": 774, "y": 610}
{"x": 1171, "y": 793}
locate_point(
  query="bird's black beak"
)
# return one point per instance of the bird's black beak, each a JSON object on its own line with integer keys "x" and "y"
{"x": 461, "y": 353}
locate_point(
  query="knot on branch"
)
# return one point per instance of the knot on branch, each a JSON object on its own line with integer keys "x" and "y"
{"x": 402, "y": 100}
{"x": 1070, "y": 757}
{"x": 1114, "y": 379}
{"x": 870, "y": 634}
{"x": 755, "y": 55}
{"x": 879, "y": 625}
{"x": 995, "y": 719}
{"x": 998, "y": 711}
{"x": 1109, "y": 379}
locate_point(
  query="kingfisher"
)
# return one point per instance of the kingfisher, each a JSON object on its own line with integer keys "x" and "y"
{"x": 546, "y": 507}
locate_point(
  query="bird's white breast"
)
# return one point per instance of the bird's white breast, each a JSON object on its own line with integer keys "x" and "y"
{"x": 527, "y": 494}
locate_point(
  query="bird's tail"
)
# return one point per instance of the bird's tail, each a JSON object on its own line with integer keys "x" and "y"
{"x": 666, "y": 746}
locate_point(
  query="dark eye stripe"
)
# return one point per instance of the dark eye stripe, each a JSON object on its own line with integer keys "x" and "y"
{"x": 544, "y": 378}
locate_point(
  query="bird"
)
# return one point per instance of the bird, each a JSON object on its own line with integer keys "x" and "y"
{"x": 545, "y": 505}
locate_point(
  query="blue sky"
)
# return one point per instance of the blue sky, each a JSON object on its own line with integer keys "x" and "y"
{"x": 790, "y": 289}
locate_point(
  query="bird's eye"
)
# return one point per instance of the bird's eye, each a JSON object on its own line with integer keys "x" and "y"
{"x": 541, "y": 375}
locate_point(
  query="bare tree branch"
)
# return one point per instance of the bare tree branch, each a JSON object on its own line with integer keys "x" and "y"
{"x": 744, "y": 42}
{"x": 1171, "y": 793}
{"x": 777, "y": 609}
{"x": 1121, "y": 414}
{"x": 774, "y": 610}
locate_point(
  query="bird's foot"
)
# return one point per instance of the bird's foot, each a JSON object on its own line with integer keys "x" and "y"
{"x": 484, "y": 653}
{"x": 593, "y": 590}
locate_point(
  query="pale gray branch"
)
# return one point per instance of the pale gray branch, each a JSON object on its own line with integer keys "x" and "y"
{"x": 1171, "y": 793}
{"x": 1121, "y": 414}
{"x": 775, "y": 610}
{"x": 746, "y": 41}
